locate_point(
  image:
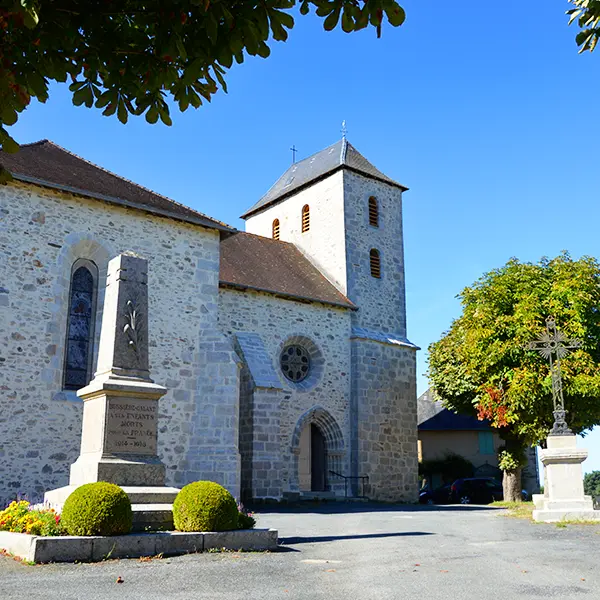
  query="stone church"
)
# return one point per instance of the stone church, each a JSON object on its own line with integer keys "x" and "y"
{"x": 283, "y": 347}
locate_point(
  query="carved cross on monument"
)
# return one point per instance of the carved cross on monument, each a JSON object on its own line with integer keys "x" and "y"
{"x": 554, "y": 345}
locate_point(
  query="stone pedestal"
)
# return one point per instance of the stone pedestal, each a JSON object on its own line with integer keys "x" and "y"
{"x": 120, "y": 411}
{"x": 563, "y": 497}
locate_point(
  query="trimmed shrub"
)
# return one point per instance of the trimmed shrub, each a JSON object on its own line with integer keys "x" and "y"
{"x": 97, "y": 509}
{"x": 205, "y": 506}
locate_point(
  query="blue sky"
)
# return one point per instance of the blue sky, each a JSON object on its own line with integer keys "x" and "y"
{"x": 482, "y": 112}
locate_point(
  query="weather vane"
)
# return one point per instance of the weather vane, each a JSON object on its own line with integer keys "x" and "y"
{"x": 344, "y": 129}
{"x": 294, "y": 150}
{"x": 554, "y": 345}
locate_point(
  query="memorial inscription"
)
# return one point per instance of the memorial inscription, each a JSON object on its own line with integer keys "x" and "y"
{"x": 131, "y": 427}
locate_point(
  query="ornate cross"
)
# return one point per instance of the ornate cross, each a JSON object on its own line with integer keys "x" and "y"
{"x": 294, "y": 150}
{"x": 553, "y": 345}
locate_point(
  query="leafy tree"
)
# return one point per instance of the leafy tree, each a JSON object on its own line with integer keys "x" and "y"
{"x": 591, "y": 483}
{"x": 587, "y": 15}
{"x": 481, "y": 365}
{"x": 130, "y": 56}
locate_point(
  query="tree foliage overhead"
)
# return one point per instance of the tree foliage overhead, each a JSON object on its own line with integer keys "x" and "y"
{"x": 130, "y": 56}
{"x": 587, "y": 15}
{"x": 481, "y": 365}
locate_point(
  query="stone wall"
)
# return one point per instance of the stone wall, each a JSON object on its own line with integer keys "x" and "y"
{"x": 381, "y": 301}
{"x": 384, "y": 400}
{"x": 324, "y": 243}
{"x": 42, "y": 233}
{"x": 322, "y": 329}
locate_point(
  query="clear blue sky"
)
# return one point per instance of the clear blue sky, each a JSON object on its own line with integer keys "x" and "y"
{"x": 486, "y": 112}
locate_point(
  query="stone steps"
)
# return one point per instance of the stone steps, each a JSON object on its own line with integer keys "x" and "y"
{"x": 152, "y": 517}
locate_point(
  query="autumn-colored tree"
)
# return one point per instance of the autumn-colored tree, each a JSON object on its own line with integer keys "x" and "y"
{"x": 129, "y": 56}
{"x": 482, "y": 366}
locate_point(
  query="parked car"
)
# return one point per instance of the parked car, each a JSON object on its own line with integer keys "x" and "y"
{"x": 476, "y": 490}
{"x": 440, "y": 495}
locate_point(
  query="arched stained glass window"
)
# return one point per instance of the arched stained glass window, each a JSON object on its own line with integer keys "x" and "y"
{"x": 80, "y": 325}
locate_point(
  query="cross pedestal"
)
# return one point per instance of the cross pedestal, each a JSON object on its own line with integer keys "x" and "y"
{"x": 563, "y": 497}
{"x": 120, "y": 405}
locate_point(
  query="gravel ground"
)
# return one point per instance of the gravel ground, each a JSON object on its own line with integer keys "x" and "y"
{"x": 349, "y": 551}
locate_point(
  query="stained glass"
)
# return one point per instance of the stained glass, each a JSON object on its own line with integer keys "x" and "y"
{"x": 79, "y": 329}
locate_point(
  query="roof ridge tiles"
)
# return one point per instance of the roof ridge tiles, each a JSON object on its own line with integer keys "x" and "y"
{"x": 126, "y": 180}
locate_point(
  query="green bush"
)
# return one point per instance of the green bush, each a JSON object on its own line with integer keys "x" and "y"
{"x": 97, "y": 509}
{"x": 591, "y": 483}
{"x": 205, "y": 506}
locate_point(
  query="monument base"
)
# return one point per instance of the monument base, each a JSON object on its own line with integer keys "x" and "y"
{"x": 152, "y": 506}
{"x": 563, "y": 498}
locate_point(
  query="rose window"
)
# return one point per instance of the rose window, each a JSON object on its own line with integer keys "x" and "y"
{"x": 295, "y": 363}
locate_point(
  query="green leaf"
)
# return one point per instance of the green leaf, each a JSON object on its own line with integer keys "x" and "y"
{"x": 84, "y": 96}
{"x": 122, "y": 113}
{"x": 332, "y": 20}
{"x": 152, "y": 115}
{"x": 396, "y": 15}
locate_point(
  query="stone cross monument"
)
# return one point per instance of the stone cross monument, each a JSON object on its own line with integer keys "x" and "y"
{"x": 120, "y": 410}
{"x": 563, "y": 496}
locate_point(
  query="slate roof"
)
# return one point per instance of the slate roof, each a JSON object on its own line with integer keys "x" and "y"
{"x": 341, "y": 155}
{"x": 253, "y": 262}
{"x": 432, "y": 416}
{"x": 47, "y": 164}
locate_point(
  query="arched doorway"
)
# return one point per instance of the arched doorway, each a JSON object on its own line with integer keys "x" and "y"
{"x": 319, "y": 447}
{"x": 312, "y": 459}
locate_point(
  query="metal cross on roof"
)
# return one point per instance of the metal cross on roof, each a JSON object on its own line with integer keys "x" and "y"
{"x": 554, "y": 345}
{"x": 294, "y": 150}
{"x": 344, "y": 129}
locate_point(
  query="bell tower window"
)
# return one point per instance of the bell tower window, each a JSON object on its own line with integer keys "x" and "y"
{"x": 305, "y": 218}
{"x": 373, "y": 212}
{"x": 276, "y": 229}
{"x": 375, "y": 262}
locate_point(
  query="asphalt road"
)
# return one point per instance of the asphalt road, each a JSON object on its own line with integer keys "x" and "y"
{"x": 347, "y": 552}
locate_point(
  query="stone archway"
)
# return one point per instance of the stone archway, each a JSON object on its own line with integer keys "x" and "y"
{"x": 318, "y": 450}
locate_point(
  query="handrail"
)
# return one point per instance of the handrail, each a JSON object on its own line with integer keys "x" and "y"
{"x": 362, "y": 478}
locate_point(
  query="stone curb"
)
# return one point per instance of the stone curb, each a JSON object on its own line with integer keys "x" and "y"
{"x": 40, "y": 549}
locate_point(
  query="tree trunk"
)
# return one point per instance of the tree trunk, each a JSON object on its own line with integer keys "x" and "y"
{"x": 511, "y": 484}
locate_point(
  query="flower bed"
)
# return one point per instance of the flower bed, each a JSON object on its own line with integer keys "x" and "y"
{"x": 20, "y": 517}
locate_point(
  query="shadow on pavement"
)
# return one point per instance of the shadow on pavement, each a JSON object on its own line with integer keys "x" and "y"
{"x": 328, "y": 508}
{"x": 358, "y": 536}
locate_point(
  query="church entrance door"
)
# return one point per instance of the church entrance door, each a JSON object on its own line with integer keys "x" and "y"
{"x": 312, "y": 461}
{"x": 318, "y": 460}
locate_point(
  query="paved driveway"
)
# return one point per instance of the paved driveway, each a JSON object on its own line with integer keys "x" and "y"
{"x": 348, "y": 552}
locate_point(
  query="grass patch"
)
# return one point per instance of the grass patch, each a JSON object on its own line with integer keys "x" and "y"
{"x": 518, "y": 510}
{"x": 524, "y": 510}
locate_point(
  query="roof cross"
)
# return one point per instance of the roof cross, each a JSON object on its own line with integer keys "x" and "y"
{"x": 554, "y": 345}
{"x": 294, "y": 150}
{"x": 344, "y": 129}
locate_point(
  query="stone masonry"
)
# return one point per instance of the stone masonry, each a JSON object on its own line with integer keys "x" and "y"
{"x": 42, "y": 233}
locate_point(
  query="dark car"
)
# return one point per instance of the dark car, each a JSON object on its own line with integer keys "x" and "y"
{"x": 440, "y": 495}
{"x": 476, "y": 490}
